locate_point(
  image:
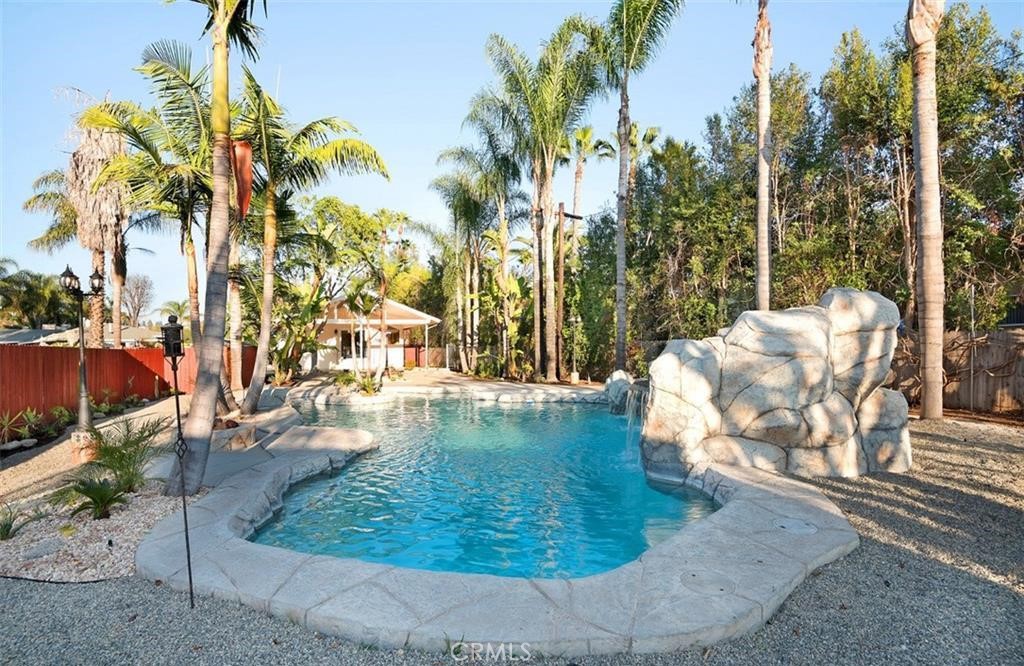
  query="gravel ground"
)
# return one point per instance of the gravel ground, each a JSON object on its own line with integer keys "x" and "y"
{"x": 938, "y": 579}
{"x": 66, "y": 548}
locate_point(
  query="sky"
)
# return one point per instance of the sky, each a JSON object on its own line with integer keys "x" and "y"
{"x": 403, "y": 72}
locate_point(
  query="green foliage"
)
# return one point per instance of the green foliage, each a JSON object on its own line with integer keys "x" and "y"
{"x": 367, "y": 385}
{"x": 345, "y": 379}
{"x": 13, "y": 521}
{"x": 98, "y": 497}
{"x": 124, "y": 449}
{"x": 34, "y": 425}
{"x": 62, "y": 416}
{"x": 9, "y": 427}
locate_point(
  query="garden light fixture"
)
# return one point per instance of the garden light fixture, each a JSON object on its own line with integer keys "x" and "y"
{"x": 173, "y": 350}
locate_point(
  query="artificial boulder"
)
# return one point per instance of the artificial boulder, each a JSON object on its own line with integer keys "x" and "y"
{"x": 616, "y": 389}
{"x": 795, "y": 390}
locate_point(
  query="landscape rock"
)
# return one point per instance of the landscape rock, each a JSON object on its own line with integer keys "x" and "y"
{"x": 616, "y": 389}
{"x": 795, "y": 390}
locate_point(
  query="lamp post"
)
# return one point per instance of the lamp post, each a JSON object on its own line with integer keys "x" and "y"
{"x": 81, "y": 439}
{"x": 575, "y": 321}
{"x": 173, "y": 350}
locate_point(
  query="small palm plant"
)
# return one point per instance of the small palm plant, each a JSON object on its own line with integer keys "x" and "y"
{"x": 13, "y": 521}
{"x": 124, "y": 449}
{"x": 98, "y": 496}
{"x": 368, "y": 385}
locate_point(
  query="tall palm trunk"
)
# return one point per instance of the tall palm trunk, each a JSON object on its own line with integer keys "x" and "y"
{"x": 460, "y": 324}
{"x": 118, "y": 275}
{"x": 923, "y": 19}
{"x": 560, "y": 296}
{"x": 621, "y": 211}
{"x": 475, "y": 309}
{"x": 467, "y": 317}
{"x": 202, "y": 409}
{"x": 192, "y": 274}
{"x": 535, "y": 223}
{"x": 762, "y": 72}
{"x": 382, "y": 364}
{"x": 94, "y": 338}
{"x": 259, "y": 371}
{"x": 548, "y": 230}
{"x": 508, "y": 358}
{"x": 235, "y": 309}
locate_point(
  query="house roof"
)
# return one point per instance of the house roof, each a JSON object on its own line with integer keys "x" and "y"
{"x": 23, "y": 336}
{"x": 398, "y": 314}
{"x": 128, "y": 334}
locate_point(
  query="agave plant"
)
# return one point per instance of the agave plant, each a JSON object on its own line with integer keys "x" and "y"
{"x": 12, "y": 521}
{"x": 368, "y": 385}
{"x": 124, "y": 449}
{"x": 99, "y": 496}
{"x": 9, "y": 428}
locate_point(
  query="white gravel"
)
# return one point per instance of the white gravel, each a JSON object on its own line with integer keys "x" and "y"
{"x": 937, "y": 579}
{"x": 65, "y": 548}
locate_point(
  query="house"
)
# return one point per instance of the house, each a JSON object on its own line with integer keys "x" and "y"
{"x": 131, "y": 336}
{"x": 351, "y": 341}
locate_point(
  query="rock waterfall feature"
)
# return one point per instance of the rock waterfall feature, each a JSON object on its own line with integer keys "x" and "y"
{"x": 795, "y": 391}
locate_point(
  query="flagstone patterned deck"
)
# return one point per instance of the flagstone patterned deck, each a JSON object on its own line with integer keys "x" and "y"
{"x": 720, "y": 577}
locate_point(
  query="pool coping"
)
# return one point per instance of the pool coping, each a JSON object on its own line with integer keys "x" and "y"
{"x": 719, "y": 577}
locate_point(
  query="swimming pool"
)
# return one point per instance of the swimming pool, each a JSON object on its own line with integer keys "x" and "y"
{"x": 524, "y": 490}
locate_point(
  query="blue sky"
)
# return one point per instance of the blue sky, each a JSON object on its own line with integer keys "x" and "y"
{"x": 403, "y": 72}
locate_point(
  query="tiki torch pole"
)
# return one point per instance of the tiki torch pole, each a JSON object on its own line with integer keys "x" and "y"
{"x": 173, "y": 350}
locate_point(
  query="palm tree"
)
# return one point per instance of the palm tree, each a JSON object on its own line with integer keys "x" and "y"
{"x": 543, "y": 101}
{"x": 635, "y": 30}
{"x": 296, "y": 158}
{"x": 463, "y": 197}
{"x": 177, "y": 308}
{"x": 227, "y": 21}
{"x": 585, "y": 146}
{"x": 923, "y": 20}
{"x": 100, "y": 217}
{"x": 762, "y": 72}
{"x": 492, "y": 173}
{"x": 168, "y": 170}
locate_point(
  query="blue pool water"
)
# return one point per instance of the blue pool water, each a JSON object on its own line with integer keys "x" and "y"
{"x": 507, "y": 489}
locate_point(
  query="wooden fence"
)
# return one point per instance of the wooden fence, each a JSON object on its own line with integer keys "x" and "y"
{"x": 998, "y": 371}
{"x": 44, "y": 377}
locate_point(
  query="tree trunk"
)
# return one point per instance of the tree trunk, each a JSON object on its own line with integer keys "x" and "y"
{"x": 560, "y": 296}
{"x": 202, "y": 409}
{"x": 467, "y": 317}
{"x": 762, "y": 72}
{"x": 621, "y": 211}
{"x": 382, "y": 363}
{"x": 118, "y": 275}
{"x": 574, "y": 240}
{"x": 235, "y": 307}
{"x": 475, "y": 309}
{"x": 461, "y": 324}
{"x": 259, "y": 370}
{"x": 193, "y": 289}
{"x": 548, "y": 231}
{"x": 508, "y": 360}
{"x": 537, "y": 251}
{"x": 923, "y": 19}
{"x": 94, "y": 337}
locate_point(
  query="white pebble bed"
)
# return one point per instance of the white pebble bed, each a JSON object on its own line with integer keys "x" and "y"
{"x": 65, "y": 548}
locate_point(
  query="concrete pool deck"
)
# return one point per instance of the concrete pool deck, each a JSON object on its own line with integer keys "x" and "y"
{"x": 719, "y": 577}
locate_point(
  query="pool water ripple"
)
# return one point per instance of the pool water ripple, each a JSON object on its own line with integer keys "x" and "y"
{"x": 540, "y": 491}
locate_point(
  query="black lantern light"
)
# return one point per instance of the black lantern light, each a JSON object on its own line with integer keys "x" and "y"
{"x": 95, "y": 282}
{"x": 173, "y": 350}
{"x": 69, "y": 281}
{"x": 173, "y": 346}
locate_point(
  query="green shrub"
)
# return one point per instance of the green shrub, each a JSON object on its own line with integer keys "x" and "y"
{"x": 98, "y": 496}
{"x": 34, "y": 424}
{"x": 367, "y": 385}
{"x": 345, "y": 378}
{"x": 124, "y": 449}
{"x": 62, "y": 416}
{"x": 132, "y": 401}
{"x": 12, "y": 521}
{"x": 9, "y": 428}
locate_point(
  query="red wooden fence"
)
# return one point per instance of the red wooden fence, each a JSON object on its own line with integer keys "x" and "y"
{"x": 44, "y": 377}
